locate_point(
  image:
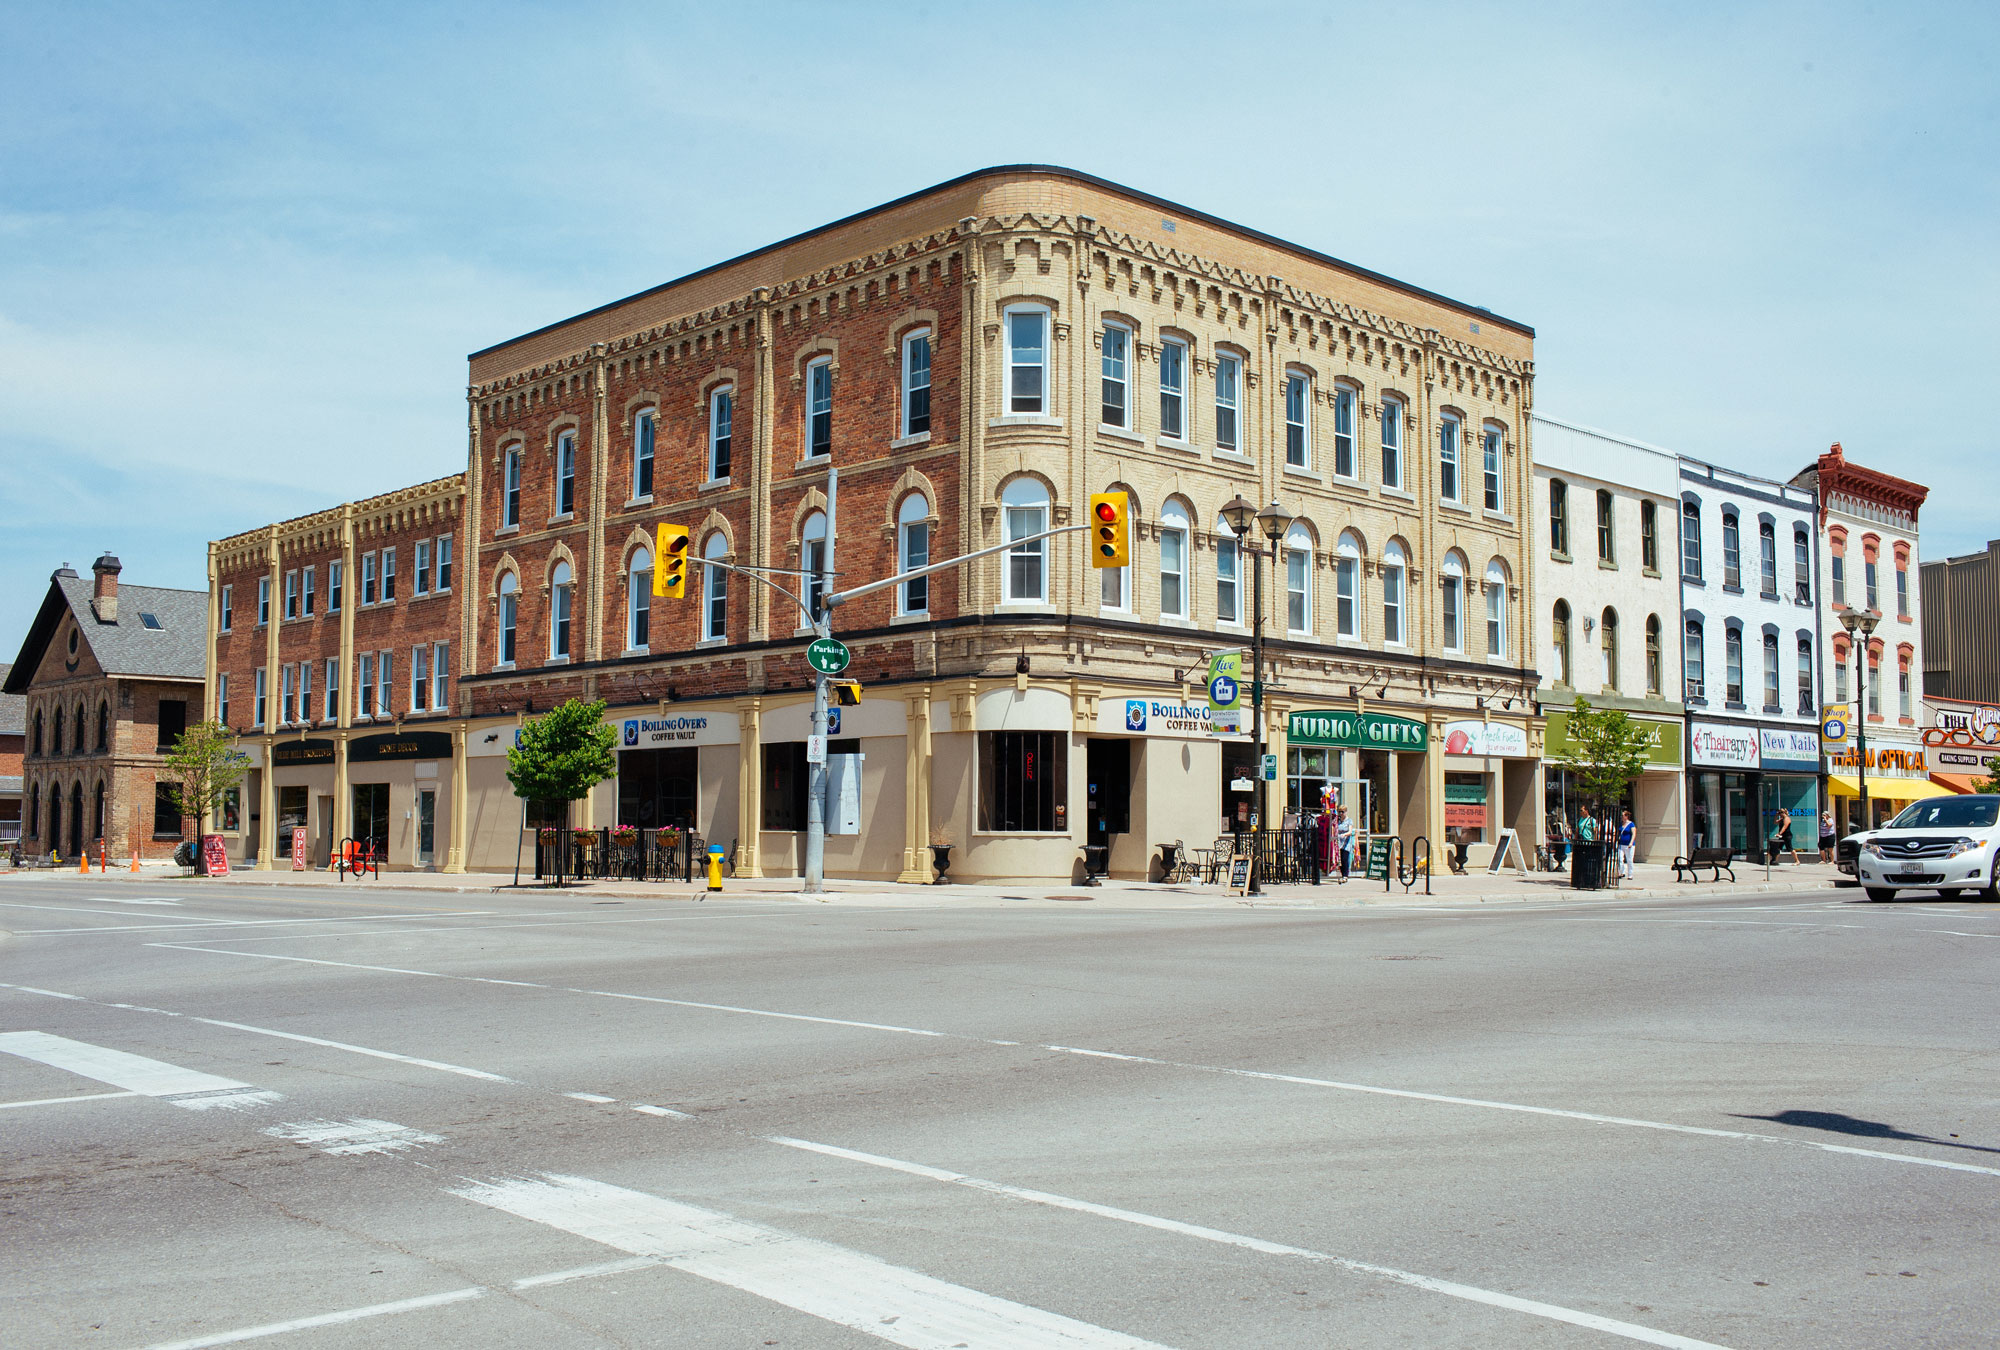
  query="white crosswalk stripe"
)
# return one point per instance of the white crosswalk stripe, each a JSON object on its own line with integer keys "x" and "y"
{"x": 191, "y": 1088}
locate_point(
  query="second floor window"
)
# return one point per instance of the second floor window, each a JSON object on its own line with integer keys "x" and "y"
{"x": 420, "y": 678}
{"x": 1027, "y": 360}
{"x": 1344, "y": 458}
{"x": 643, "y": 431}
{"x": 917, "y": 384}
{"x": 1173, "y": 565}
{"x": 509, "y": 618}
{"x": 1392, "y": 595}
{"x": 562, "y": 595}
{"x": 260, "y": 707}
{"x": 1559, "y": 645}
{"x": 1228, "y": 381}
{"x": 1802, "y": 566}
{"x": 1116, "y": 405}
{"x": 1607, "y": 541}
{"x": 1868, "y": 581}
{"x": 1694, "y": 662}
{"x": 1649, "y": 536}
{"x": 1451, "y": 604}
{"x": 222, "y": 697}
{"x": 332, "y": 693}
{"x": 1805, "y": 677}
{"x": 721, "y": 423}
{"x": 639, "y": 601}
{"x": 1173, "y": 390}
{"x": 812, "y": 562}
{"x": 1298, "y": 445}
{"x": 1490, "y": 458}
{"x": 510, "y": 489}
{"x": 1839, "y": 569}
{"x": 715, "y": 591}
{"x": 1448, "y": 485}
{"x": 566, "y": 474}
{"x": 1653, "y": 662}
{"x": 1559, "y": 516}
{"x": 819, "y": 408}
{"x": 1392, "y": 443}
{"x": 228, "y": 606}
{"x": 913, "y": 523}
{"x": 1607, "y": 641}
{"x": 1226, "y": 564}
{"x": 1026, "y": 508}
{"x": 1732, "y": 666}
{"x": 364, "y": 683}
{"x": 1771, "y": 672}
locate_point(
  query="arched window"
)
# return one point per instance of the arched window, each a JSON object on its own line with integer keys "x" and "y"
{"x": 1345, "y": 464}
{"x": 1732, "y": 665}
{"x": 1025, "y": 503}
{"x": 819, "y": 407}
{"x": 35, "y": 812}
{"x": 562, "y": 597}
{"x": 721, "y": 425}
{"x": 812, "y": 561}
{"x": 1771, "y": 703}
{"x": 55, "y": 818}
{"x": 1451, "y": 606}
{"x": 642, "y": 454}
{"x": 1767, "y": 560}
{"x": 1347, "y": 586}
{"x": 510, "y": 614}
{"x": 1449, "y": 487}
{"x": 1559, "y": 515}
{"x": 1496, "y": 609}
{"x": 1690, "y": 541}
{"x": 1492, "y": 440}
{"x": 1173, "y": 562}
{"x": 1836, "y": 556}
{"x": 1392, "y": 442}
{"x": 1607, "y": 641}
{"x": 1394, "y": 571}
{"x": 1805, "y": 675}
{"x": 914, "y": 539}
{"x": 37, "y": 748}
{"x": 56, "y": 739}
{"x": 1298, "y": 580}
{"x": 715, "y": 591}
{"x": 1653, "y": 663}
{"x": 1228, "y": 565}
{"x": 1694, "y": 662}
{"x": 1870, "y": 550}
{"x": 1843, "y": 652}
{"x": 1559, "y": 643}
{"x": 1732, "y": 551}
{"x": 103, "y": 726}
{"x": 1902, "y": 581}
{"x": 1875, "y": 681}
{"x": 1298, "y": 430}
{"x": 565, "y": 502}
{"x": 1607, "y": 538}
{"x": 639, "y": 601}
{"x": 1801, "y": 565}
{"x": 917, "y": 382}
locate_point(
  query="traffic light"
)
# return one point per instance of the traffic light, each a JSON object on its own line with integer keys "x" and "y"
{"x": 1110, "y": 530}
{"x": 670, "y": 567}
{"x": 846, "y": 693}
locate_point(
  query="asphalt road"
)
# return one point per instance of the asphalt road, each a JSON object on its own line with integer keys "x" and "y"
{"x": 294, "y": 1118}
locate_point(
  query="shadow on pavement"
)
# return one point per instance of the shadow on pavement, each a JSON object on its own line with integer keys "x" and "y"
{"x": 1836, "y": 1123}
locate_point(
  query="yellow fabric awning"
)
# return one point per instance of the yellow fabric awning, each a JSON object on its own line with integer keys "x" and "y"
{"x": 1887, "y": 789}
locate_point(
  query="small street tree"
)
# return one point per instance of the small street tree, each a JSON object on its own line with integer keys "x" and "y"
{"x": 1607, "y": 752}
{"x": 1990, "y": 783}
{"x": 563, "y": 754}
{"x": 203, "y": 767}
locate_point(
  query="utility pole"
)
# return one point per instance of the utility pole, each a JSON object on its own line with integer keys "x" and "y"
{"x": 821, "y": 615}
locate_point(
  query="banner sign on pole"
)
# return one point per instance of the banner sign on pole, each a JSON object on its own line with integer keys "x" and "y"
{"x": 1225, "y": 693}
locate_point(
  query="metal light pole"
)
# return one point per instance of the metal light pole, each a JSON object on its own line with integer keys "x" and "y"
{"x": 821, "y": 616}
{"x": 1864, "y": 621}
{"x": 1274, "y": 520}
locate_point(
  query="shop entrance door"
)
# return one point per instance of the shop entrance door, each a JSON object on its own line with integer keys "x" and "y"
{"x": 371, "y": 815}
{"x": 426, "y": 825}
{"x": 658, "y": 787}
{"x": 1108, "y": 803}
{"x": 1736, "y": 801}
{"x": 323, "y": 853}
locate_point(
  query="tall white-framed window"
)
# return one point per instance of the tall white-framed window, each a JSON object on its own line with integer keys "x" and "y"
{"x": 1801, "y": 565}
{"x": 1691, "y": 542}
{"x": 222, "y": 697}
{"x": 388, "y": 575}
{"x": 1346, "y": 463}
{"x": 286, "y": 707}
{"x": 914, "y": 550}
{"x": 1771, "y": 703}
{"x": 364, "y": 684}
{"x": 420, "y": 678}
{"x": 368, "y": 578}
{"x": 305, "y": 691}
{"x": 335, "y": 574}
{"x": 819, "y": 407}
{"x": 1607, "y": 641}
{"x": 644, "y": 430}
{"x": 509, "y": 619}
{"x": 1173, "y": 389}
{"x": 440, "y": 674}
{"x": 291, "y": 595}
{"x": 444, "y": 562}
{"x": 1496, "y": 610}
{"x": 385, "y": 674}
{"x": 332, "y": 693}
{"x": 1492, "y": 442}
{"x": 228, "y": 607}
{"x": 1451, "y": 602}
{"x": 721, "y": 423}
{"x": 1024, "y": 574}
{"x": 639, "y": 601}
{"x": 1694, "y": 661}
{"x": 1174, "y": 529}
{"x": 1395, "y": 573}
{"x": 420, "y": 582}
{"x": 1298, "y": 429}
{"x": 263, "y": 601}
{"x": 1114, "y": 378}
{"x": 1228, "y": 572}
{"x": 1560, "y": 643}
{"x": 917, "y": 383}
{"x": 1027, "y": 360}
{"x": 565, "y": 474}
{"x": 1392, "y": 442}
{"x": 510, "y": 490}
{"x": 1228, "y": 401}
{"x": 1347, "y": 586}
{"x": 812, "y": 561}
{"x": 562, "y": 594}
{"x": 714, "y": 591}
{"x": 1903, "y": 704}
{"x": 1732, "y": 551}
{"x": 261, "y": 708}
{"x": 1732, "y": 665}
{"x": 1767, "y": 560}
{"x": 1449, "y": 435}
{"x": 1298, "y": 580}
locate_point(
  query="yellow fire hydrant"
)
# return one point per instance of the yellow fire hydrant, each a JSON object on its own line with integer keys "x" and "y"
{"x": 715, "y": 868}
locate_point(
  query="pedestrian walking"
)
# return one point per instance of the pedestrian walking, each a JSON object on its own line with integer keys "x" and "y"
{"x": 1344, "y": 836}
{"x": 1628, "y": 836}
{"x": 1781, "y": 838}
{"x": 1828, "y": 840}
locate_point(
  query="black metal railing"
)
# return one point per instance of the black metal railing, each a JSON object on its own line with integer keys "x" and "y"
{"x": 607, "y": 854}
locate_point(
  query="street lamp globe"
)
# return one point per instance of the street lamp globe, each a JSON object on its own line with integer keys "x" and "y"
{"x": 1239, "y": 514}
{"x": 1850, "y": 619}
{"x": 1275, "y": 520}
{"x": 1869, "y": 620}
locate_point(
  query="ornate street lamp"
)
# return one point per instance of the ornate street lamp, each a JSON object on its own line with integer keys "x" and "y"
{"x": 1273, "y": 521}
{"x": 1864, "y": 621}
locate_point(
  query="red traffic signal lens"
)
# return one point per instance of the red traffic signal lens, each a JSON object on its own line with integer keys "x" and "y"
{"x": 1107, "y": 512}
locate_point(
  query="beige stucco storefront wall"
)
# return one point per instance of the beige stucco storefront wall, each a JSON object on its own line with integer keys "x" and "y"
{"x": 881, "y": 725}
{"x": 1176, "y": 771}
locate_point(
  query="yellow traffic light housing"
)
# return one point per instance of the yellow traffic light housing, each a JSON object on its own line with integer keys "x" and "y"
{"x": 670, "y": 566}
{"x": 846, "y": 693}
{"x": 1110, "y": 530}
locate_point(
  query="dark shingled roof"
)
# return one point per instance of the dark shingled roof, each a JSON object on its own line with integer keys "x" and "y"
{"x": 173, "y": 651}
{"x": 13, "y": 709}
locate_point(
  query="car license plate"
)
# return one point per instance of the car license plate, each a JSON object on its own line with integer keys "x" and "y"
{"x": 1913, "y": 866}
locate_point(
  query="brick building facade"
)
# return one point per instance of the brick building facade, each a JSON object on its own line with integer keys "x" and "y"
{"x": 976, "y": 359}
{"x": 111, "y": 677}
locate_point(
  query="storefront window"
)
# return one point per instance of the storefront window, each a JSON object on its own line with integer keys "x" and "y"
{"x": 1023, "y": 782}
{"x": 1465, "y": 807}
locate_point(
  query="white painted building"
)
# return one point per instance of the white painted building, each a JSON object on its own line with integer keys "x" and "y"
{"x": 1750, "y": 644}
{"x": 1606, "y": 510}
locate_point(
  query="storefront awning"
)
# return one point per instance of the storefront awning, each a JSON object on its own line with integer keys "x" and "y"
{"x": 1888, "y": 789}
{"x": 1957, "y": 782}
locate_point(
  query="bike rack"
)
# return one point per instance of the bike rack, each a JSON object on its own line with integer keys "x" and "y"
{"x": 359, "y": 857}
{"x": 1419, "y": 864}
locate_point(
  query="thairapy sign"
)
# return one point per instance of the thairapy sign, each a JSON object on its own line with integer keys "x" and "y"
{"x": 1135, "y": 716}
{"x": 1712, "y": 745}
{"x": 1361, "y": 731}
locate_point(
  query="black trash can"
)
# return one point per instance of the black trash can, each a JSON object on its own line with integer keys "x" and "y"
{"x": 1586, "y": 864}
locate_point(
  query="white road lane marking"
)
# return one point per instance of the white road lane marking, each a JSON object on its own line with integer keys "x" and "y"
{"x": 134, "y": 900}
{"x": 629, "y": 1264}
{"x": 180, "y": 925}
{"x": 645, "y": 1110}
{"x": 1444, "y": 1099}
{"x": 1472, "y": 1293}
{"x": 331, "y": 1319}
{"x": 356, "y": 1135}
{"x": 190, "y": 1088}
{"x": 835, "y": 1284}
{"x": 58, "y": 1101}
{"x": 589, "y": 1097}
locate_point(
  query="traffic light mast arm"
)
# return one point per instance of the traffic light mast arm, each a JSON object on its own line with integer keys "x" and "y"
{"x": 756, "y": 575}
{"x": 842, "y": 597}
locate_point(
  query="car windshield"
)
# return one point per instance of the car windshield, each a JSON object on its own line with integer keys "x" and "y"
{"x": 1949, "y": 813}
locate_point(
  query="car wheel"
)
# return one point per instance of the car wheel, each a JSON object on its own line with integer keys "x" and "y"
{"x": 1880, "y": 893}
{"x": 1991, "y": 891}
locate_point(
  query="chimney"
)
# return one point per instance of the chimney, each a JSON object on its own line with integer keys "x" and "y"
{"x": 104, "y": 602}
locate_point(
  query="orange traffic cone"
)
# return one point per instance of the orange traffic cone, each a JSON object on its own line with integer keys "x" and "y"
{"x": 83, "y": 861}
{"x": 135, "y": 859}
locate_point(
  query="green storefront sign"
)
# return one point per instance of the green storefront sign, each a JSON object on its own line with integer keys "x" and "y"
{"x": 1378, "y": 858}
{"x": 1470, "y": 793}
{"x": 1362, "y": 731}
{"x": 1663, "y": 740}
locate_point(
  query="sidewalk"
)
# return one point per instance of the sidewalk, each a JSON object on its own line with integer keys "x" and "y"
{"x": 1650, "y": 880}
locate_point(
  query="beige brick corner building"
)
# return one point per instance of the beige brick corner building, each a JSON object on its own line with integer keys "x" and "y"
{"x": 977, "y": 359}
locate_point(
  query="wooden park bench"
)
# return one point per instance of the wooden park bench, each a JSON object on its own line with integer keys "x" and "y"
{"x": 1716, "y": 860}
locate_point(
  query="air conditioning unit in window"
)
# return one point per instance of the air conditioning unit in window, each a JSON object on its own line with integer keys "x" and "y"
{"x": 1693, "y": 689}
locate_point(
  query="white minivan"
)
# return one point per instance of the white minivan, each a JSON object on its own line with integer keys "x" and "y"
{"x": 1944, "y": 844}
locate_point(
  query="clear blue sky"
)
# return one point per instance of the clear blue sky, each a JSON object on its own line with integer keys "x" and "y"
{"x": 244, "y": 250}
